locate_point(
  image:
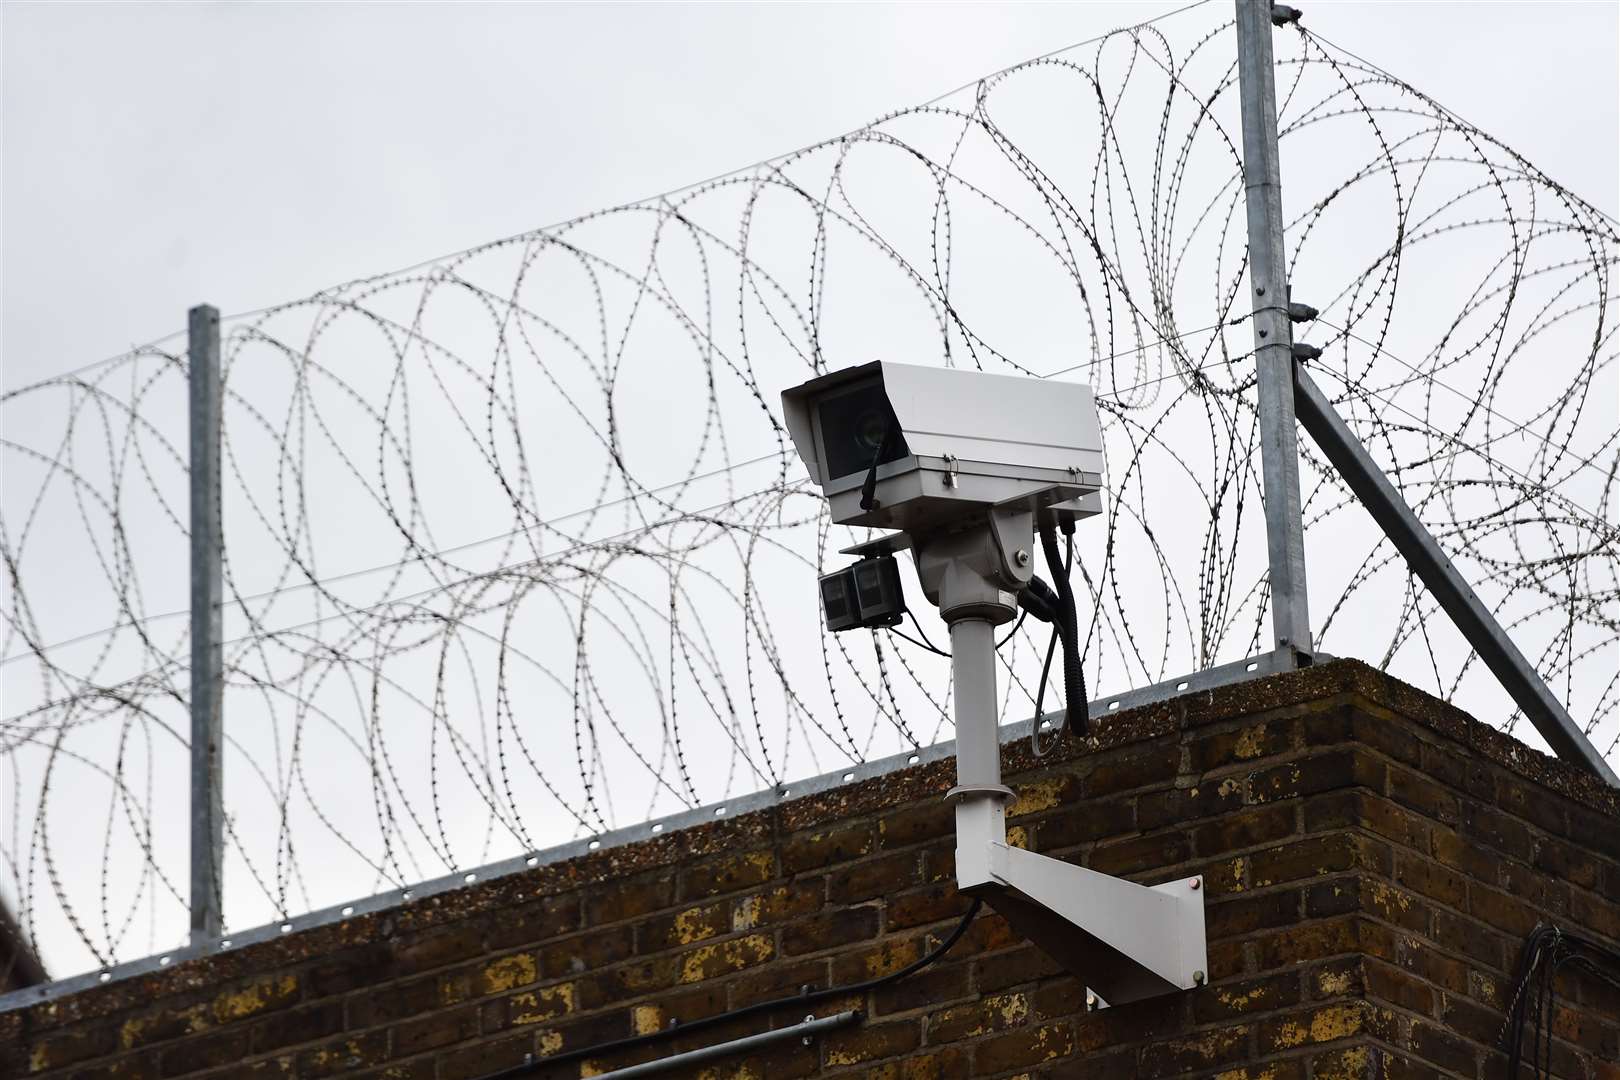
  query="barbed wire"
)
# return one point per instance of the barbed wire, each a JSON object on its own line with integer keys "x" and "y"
{"x": 517, "y": 549}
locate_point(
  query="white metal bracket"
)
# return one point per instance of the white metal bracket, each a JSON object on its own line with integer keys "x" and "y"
{"x": 1126, "y": 941}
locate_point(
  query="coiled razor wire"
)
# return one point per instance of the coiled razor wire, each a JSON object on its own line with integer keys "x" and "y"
{"x": 517, "y": 549}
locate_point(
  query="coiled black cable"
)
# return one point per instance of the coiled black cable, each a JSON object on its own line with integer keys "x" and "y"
{"x": 800, "y": 1000}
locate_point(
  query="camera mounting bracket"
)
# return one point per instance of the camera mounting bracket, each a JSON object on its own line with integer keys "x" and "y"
{"x": 1012, "y": 528}
{"x": 1126, "y": 941}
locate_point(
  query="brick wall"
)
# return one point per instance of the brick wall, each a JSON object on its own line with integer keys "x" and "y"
{"x": 1373, "y": 859}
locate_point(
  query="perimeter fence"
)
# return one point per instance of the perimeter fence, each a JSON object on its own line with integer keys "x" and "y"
{"x": 517, "y": 550}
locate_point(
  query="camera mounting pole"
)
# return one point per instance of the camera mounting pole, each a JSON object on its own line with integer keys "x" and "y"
{"x": 1127, "y": 941}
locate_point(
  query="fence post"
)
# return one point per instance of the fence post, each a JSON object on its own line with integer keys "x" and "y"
{"x": 1273, "y": 333}
{"x": 207, "y": 654}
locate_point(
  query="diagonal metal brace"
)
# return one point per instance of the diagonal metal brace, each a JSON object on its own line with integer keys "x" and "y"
{"x": 1431, "y": 565}
{"x": 1127, "y": 941}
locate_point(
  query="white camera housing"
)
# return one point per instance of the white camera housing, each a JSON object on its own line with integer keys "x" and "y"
{"x": 967, "y": 441}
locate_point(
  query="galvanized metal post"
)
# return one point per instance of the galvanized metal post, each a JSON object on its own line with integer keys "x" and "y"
{"x": 207, "y": 653}
{"x": 1522, "y": 682}
{"x": 1273, "y": 334}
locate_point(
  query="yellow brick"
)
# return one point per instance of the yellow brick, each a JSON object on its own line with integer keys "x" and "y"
{"x": 1038, "y": 795}
{"x": 723, "y": 956}
{"x": 1352, "y": 1063}
{"x": 746, "y": 915}
{"x": 646, "y": 1019}
{"x": 547, "y": 1004}
{"x": 740, "y": 1071}
{"x": 891, "y": 957}
{"x": 1239, "y": 868}
{"x": 1332, "y": 1022}
{"x": 691, "y": 926}
{"x": 192, "y": 1021}
{"x": 509, "y": 972}
{"x": 1250, "y": 744}
{"x": 237, "y": 1004}
{"x": 1333, "y": 982}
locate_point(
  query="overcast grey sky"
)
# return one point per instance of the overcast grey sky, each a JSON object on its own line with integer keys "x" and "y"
{"x": 161, "y": 155}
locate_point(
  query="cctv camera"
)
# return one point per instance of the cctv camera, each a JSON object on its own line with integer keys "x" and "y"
{"x": 970, "y": 469}
{"x": 899, "y": 446}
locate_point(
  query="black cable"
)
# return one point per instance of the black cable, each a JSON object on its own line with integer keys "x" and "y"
{"x": 1016, "y": 624}
{"x": 1040, "y": 698}
{"x": 1546, "y": 950}
{"x": 799, "y": 1000}
{"x": 1046, "y": 668}
{"x": 869, "y": 485}
{"x": 923, "y": 644}
{"x": 1074, "y": 628}
{"x": 1074, "y": 680}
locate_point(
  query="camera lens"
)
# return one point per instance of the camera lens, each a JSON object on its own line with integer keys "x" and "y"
{"x": 854, "y": 422}
{"x": 870, "y": 429}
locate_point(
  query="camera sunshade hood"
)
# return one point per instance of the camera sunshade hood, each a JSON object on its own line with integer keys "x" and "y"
{"x": 974, "y": 415}
{"x": 974, "y": 439}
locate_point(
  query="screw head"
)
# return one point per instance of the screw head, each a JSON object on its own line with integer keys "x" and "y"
{"x": 1021, "y": 557}
{"x": 1196, "y": 883}
{"x": 1198, "y": 978}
